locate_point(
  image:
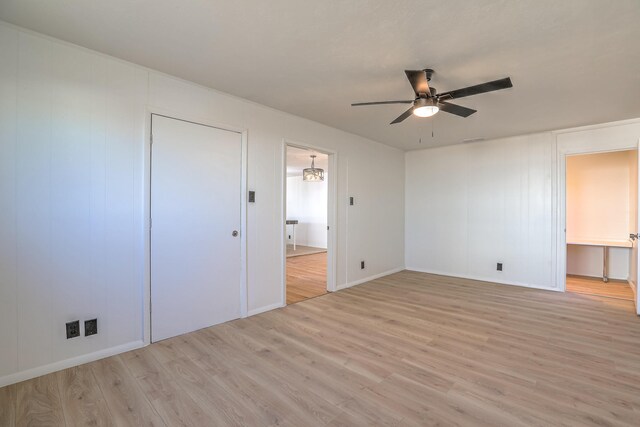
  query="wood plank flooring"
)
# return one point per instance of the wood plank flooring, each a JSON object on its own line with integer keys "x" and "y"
{"x": 303, "y": 250}
{"x": 306, "y": 277}
{"x": 409, "y": 349}
{"x": 594, "y": 286}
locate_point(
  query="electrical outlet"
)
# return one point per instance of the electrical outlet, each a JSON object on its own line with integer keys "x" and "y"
{"x": 499, "y": 266}
{"x": 90, "y": 327}
{"x": 73, "y": 329}
{"x": 361, "y": 265}
{"x": 351, "y": 201}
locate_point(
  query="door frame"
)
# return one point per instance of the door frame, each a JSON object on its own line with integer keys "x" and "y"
{"x": 332, "y": 213}
{"x": 590, "y": 140}
{"x": 146, "y": 244}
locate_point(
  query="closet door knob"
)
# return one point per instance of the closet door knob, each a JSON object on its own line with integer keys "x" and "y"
{"x": 234, "y": 233}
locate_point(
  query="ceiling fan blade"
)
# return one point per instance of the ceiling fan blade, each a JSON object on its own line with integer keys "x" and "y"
{"x": 403, "y": 116}
{"x": 418, "y": 80}
{"x": 381, "y": 103}
{"x": 478, "y": 89}
{"x": 458, "y": 110}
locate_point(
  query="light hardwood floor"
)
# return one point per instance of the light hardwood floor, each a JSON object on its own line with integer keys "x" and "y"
{"x": 303, "y": 250}
{"x": 306, "y": 277}
{"x": 594, "y": 286}
{"x": 408, "y": 349}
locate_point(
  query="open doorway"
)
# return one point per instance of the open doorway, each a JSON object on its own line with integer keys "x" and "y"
{"x": 601, "y": 222}
{"x": 307, "y": 214}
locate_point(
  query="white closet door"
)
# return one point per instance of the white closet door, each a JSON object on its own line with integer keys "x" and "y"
{"x": 195, "y": 209}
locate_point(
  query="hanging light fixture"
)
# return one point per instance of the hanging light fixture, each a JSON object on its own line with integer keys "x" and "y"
{"x": 313, "y": 174}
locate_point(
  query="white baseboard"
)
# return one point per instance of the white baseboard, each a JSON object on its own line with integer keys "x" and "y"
{"x": 68, "y": 363}
{"x": 369, "y": 278}
{"x": 265, "y": 308}
{"x": 484, "y": 279}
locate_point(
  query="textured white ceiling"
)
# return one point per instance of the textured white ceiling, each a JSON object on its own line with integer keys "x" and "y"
{"x": 572, "y": 62}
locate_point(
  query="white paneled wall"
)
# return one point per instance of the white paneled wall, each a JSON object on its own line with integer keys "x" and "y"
{"x": 8, "y": 234}
{"x": 471, "y": 206}
{"x": 268, "y": 129}
{"x": 72, "y": 217}
{"x": 72, "y": 194}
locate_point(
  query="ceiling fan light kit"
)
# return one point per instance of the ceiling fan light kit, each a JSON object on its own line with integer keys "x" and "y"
{"x": 428, "y": 101}
{"x": 425, "y": 107}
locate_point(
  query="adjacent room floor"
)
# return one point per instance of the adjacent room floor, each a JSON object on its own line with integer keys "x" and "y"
{"x": 407, "y": 349}
{"x": 303, "y": 250}
{"x": 306, "y": 276}
{"x": 595, "y": 286}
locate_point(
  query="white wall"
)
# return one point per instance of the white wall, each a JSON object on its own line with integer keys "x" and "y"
{"x": 71, "y": 200}
{"x": 72, "y": 197}
{"x": 307, "y": 202}
{"x": 471, "y": 206}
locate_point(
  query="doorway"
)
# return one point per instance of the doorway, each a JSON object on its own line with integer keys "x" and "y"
{"x": 307, "y": 238}
{"x": 195, "y": 240}
{"x": 601, "y": 222}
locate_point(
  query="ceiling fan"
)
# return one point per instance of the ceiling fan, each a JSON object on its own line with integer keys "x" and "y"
{"x": 428, "y": 101}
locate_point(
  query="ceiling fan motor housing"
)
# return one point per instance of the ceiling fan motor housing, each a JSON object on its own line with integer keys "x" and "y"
{"x": 424, "y": 102}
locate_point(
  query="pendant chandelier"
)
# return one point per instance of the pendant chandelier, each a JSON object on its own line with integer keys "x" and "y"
{"x": 313, "y": 174}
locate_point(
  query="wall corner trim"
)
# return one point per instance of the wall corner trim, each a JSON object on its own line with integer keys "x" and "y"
{"x": 68, "y": 363}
